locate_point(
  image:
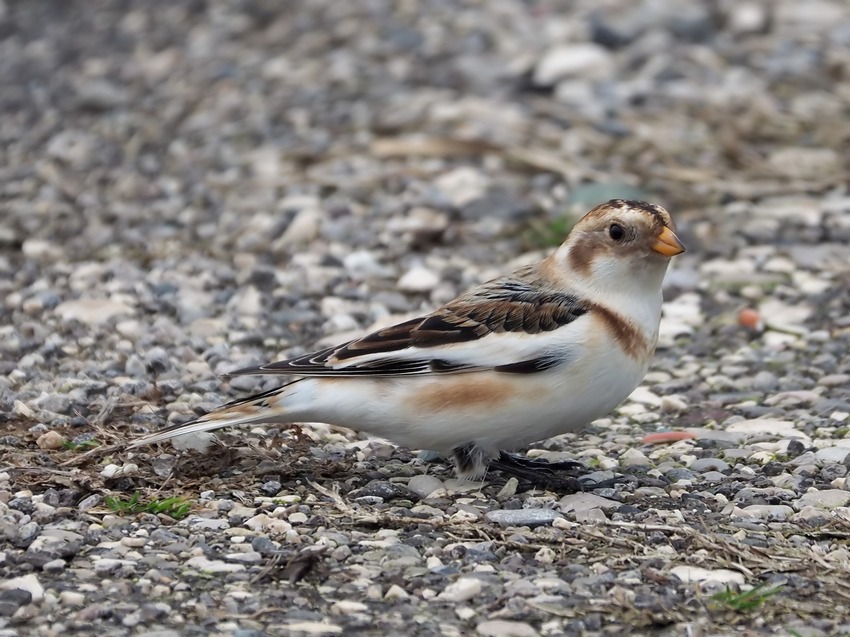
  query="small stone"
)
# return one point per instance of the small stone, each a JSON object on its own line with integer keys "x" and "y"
{"x": 396, "y": 593}
{"x": 309, "y": 628}
{"x": 522, "y": 517}
{"x": 811, "y": 516}
{"x": 385, "y": 490}
{"x": 50, "y": 440}
{"x": 73, "y": 599}
{"x": 28, "y": 583}
{"x": 110, "y": 471}
{"x": 206, "y": 565}
{"x": 832, "y": 454}
{"x": 268, "y": 524}
{"x": 832, "y": 472}
{"x": 582, "y": 59}
{"x": 801, "y": 162}
{"x": 462, "y": 185}
{"x": 100, "y": 94}
{"x": 197, "y": 523}
{"x": 748, "y": 17}
{"x": 41, "y": 249}
{"x": 303, "y": 228}
{"x": 271, "y": 488}
{"x": 689, "y": 574}
{"x": 90, "y": 502}
{"x": 424, "y": 485}
{"x": 107, "y": 566}
{"x": 92, "y": 311}
{"x": 783, "y": 428}
{"x": 418, "y": 279}
{"x": 673, "y": 404}
{"x": 581, "y": 503}
{"x": 19, "y": 408}
{"x": 508, "y": 490}
{"x": 347, "y": 607}
{"x": 835, "y": 380}
{"x": 713, "y": 476}
{"x": 824, "y": 499}
{"x": 633, "y": 457}
{"x": 679, "y": 473}
{"x": 54, "y": 566}
{"x": 709, "y": 464}
{"x": 199, "y": 441}
{"x": 505, "y": 628}
{"x": 463, "y": 590}
{"x": 769, "y": 512}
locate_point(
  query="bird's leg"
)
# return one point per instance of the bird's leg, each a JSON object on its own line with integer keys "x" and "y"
{"x": 469, "y": 460}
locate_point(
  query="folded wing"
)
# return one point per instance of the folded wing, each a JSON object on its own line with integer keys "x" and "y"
{"x": 507, "y": 325}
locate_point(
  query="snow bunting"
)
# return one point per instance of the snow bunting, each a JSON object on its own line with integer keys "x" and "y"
{"x": 524, "y": 357}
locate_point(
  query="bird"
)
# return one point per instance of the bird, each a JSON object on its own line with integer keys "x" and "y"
{"x": 527, "y": 356}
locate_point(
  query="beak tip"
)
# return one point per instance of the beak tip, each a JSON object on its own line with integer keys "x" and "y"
{"x": 668, "y": 243}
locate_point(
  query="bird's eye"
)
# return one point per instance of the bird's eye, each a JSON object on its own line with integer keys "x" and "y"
{"x": 616, "y": 232}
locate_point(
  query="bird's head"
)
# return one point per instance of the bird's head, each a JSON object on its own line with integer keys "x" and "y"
{"x": 620, "y": 246}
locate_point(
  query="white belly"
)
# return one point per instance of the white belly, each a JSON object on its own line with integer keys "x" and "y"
{"x": 496, "y": 411}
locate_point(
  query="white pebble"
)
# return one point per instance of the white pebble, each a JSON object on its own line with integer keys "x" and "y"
{"x": 50, "y": 440}
{"x": 110, "y": 471}
{"x": 395, "y": 593}
{"x": 72, "y": 598}
{"x": 689, "y": 574}
{"x": 28, "y": 583}
{"x": 418, "y": 279}
{"x": 583, "y": 59}
{"x": 462, "y": 590}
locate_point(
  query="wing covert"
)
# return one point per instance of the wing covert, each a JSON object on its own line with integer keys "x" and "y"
{"x": 442, "y": 341}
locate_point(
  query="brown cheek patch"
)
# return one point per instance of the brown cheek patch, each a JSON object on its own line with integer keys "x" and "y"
{"x": 462, "y": 393}
{"x": 580, "y": 256}
{"x": 623, "y": 331}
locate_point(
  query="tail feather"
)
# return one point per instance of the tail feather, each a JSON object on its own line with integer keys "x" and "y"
{"x": 263, "y": 407}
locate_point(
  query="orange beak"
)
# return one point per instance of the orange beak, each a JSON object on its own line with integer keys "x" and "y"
{"x": 668, "y": 243}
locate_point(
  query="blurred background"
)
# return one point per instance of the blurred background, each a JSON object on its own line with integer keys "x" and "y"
{"x": 263, "y": 174}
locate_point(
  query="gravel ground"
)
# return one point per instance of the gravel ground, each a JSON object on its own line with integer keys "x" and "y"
{"x": 187, "y": 188}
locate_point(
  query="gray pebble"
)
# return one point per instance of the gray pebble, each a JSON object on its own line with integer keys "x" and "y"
{"x": 263, "y": 545}
{"x": 773, "y": 512}
{"x": 271, "y": 488}
{"x": 832, "y": 454}
{"x": 24, "y": 505}
{"x": 674, "y": 475}
{"x": 831, "y": 472}
{"x": 54, "y": 566}
{"x": 424, "y": 485}
{"x": 825, "y": 499}
{"x": 27, "y": 533}
{"x": 90, "y": 502}
{"x": 385, "y": 491}
{"x": 709, "y": 464}
{"x": 58, "y": 403}
{"x": 197, "y": 523}
{"x": 523, "y": 517}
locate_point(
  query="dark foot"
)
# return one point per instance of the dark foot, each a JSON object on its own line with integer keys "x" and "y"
{"x": 545, "y": 474}
{"x": 540, "y": 472}
{"x": 536, "y": 463}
